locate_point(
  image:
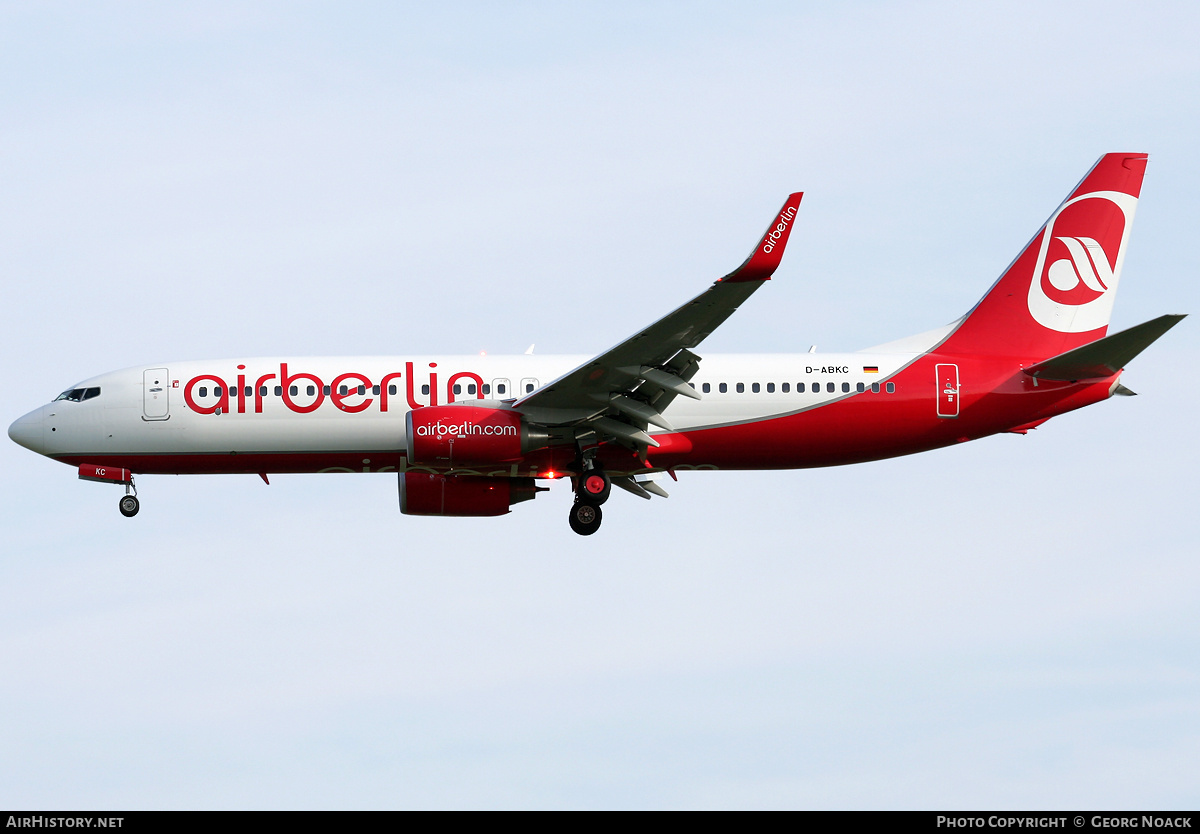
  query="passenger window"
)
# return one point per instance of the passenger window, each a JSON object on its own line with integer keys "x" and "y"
{"x": 845, "y": 387}
{"x": 786, "y": 387}
{"x": 233, "y": 390}
{"x": 770, "y": 387}
{"x": 816, "y": 387}
{"x": 756, "y": 388}
{"x": 799, "y": 387}
{"x": 706, "y": 388}
{"x": 891, "y": 388}
{"x": 375, "y": 390}
{"x": 501, "y": 389}
{"x": 392, "y": 390}
{"x": 723, "y": 388}
{"x": 325, "y": 390}
{"x": 874, "y": 387}
{"x": 861, "y": 387}
{"x": 312, "y": 390}
{"x": 343, "y": 390}
{"x": 262, "y": 391}
{"x": 457, "y": 390}
{"x": 279, "y": 390}
{"x": 487, "y": 388}
{"x": 362, "y": 389}
{"x": 249, "y": 391}
{"x": 471, "y": 389}
{"x": 204, "y": 392}
{"x": 528, "y": 387}
{"x": 830, "y": 387}
{"x": 741, "y": 388}
{"x": 425, "y": 390}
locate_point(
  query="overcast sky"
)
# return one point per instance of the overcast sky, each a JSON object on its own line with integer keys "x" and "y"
{"x": 1012, "y": 623}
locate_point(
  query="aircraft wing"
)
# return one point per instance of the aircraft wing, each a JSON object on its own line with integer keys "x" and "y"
{"x": 621, "y": 391}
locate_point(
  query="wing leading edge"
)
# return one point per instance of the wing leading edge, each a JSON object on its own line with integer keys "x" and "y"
{"x": 624, "y": 390}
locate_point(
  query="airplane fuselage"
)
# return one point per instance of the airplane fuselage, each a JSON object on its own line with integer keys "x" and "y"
{"x": 347, "y": 414}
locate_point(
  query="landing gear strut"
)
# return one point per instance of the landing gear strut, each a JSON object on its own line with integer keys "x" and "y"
{"x": 592, "y": 489}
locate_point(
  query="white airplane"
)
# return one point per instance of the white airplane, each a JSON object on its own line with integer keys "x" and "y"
{"x": 472, "y": 435}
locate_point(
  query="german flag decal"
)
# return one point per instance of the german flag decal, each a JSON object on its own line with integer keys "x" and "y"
{"x": 870, "y": 369}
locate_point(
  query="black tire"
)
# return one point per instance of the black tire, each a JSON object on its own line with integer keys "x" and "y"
{"x": 585, "y": 517}
{"x": 595, "y": 486}
{"x": 129, "y": 506}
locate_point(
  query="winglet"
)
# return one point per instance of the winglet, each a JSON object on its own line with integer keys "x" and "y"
{"x": 765, "y": 258}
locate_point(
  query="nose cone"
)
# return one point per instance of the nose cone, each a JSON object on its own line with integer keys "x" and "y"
{"x": 27, "y": 431}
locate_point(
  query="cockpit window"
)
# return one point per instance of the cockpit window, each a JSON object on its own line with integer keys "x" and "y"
{"x": 76, "y": 395}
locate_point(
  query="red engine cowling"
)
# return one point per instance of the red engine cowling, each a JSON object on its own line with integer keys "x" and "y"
{"x": 424, "y": 493}
{"x": 462, "y": 435}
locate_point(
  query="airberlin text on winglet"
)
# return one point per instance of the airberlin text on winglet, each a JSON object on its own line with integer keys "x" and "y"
{"x": 773, "y": 236}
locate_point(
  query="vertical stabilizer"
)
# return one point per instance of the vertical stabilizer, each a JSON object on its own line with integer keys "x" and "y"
{"x": 1058, "y": 294}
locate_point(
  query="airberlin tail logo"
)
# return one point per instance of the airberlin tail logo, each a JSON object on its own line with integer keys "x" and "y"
{"x": 1087, "y": 266}
{"x": 1079, "y": 262}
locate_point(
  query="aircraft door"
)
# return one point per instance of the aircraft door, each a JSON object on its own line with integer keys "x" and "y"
{"x": 501, "y": 390}
{"x": 947, "y": 390}
{"x": 156, "y": 385}
{"x": 528, "y": 386}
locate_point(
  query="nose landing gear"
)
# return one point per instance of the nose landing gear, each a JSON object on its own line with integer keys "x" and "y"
{"x": 104, "y": 474}
{"x": 129, "y": 504}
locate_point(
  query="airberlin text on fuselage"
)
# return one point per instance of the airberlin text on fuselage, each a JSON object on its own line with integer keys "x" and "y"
{"x": 293, "y": 387}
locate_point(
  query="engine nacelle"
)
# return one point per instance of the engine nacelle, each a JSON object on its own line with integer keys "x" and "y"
{"x": 464, "y": 435}
{"x": 424, "y": 493}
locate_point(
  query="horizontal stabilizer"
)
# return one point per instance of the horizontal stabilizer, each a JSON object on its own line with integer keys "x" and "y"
{"x": 1104, "y": 357}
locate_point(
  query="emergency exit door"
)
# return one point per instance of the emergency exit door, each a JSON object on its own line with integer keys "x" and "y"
{"x": 947, "y": 390}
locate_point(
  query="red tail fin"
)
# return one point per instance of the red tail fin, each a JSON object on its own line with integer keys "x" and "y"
{"x": 1058, "y": 294}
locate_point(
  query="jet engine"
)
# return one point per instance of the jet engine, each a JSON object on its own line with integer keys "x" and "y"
{"x": 425, "y": 493}
{"x": 465, "y": 435}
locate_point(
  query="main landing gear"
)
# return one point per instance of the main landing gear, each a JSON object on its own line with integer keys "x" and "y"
{"x": 585, "y": 517}
{"x": 592, "y": 489}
